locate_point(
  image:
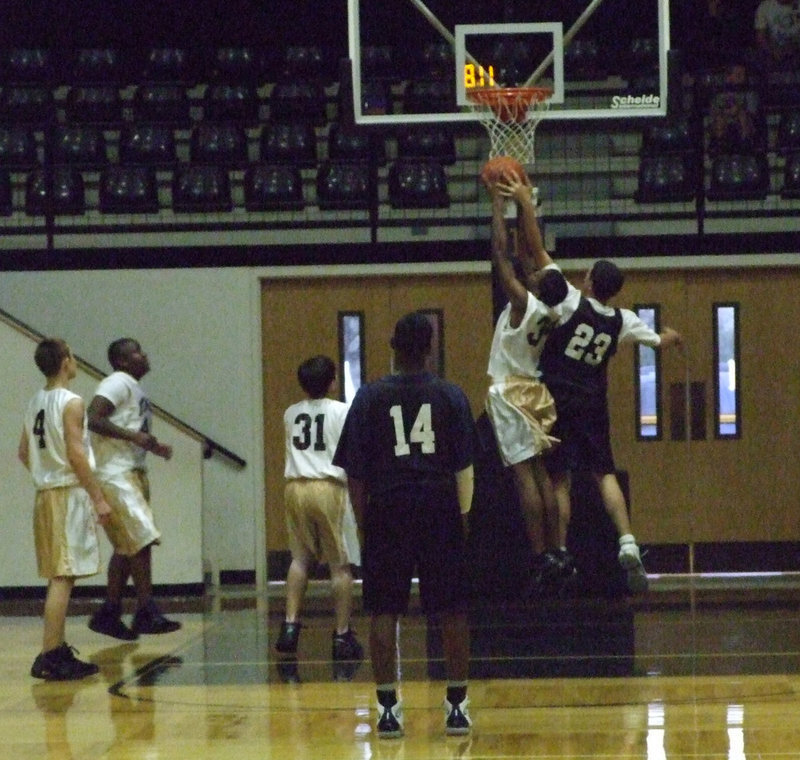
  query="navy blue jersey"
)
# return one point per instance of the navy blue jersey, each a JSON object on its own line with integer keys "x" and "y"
{"x": 575, "y": 358}
{"x": 404, "y": 431}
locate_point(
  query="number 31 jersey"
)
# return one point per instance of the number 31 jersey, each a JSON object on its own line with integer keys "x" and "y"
{"x": 312, "y": 428}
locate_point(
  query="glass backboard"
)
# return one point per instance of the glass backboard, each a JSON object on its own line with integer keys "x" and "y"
{"x": 415, "y": 60}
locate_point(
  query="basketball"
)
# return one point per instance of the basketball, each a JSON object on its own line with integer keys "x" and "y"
{"x": 492, "y": 171}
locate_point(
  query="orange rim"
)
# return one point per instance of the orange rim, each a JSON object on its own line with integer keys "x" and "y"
{"x": 503, "y": 97}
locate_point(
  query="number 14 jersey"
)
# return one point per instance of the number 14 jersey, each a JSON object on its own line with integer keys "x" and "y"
{"x": 405, "y": 431}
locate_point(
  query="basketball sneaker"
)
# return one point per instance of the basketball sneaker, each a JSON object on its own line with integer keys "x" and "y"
{"x": 287, "y": 639}
{"x": 568, "y": 580}
{"x": 547, "y": 574}
{"x": 390, "y": 721}
{"x": 456, "y": 718}
{"x": 60, "y": 664}
{"x": 148, "y": 619}
{"x": 108, "y": 621}
{"x": 345, "y": 646}
{"x": 631, "y": 561}
{"x": 288, "y": 670}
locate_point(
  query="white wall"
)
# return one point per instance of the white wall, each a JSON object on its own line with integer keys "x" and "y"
{"x": 176, "y": 485}
{"x": 201, "y": 329}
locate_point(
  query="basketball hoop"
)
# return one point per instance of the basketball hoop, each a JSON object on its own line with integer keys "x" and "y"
{"x": 510, "y": 116}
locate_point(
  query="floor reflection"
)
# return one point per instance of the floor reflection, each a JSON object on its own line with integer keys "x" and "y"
{"x": 669, "y": 635}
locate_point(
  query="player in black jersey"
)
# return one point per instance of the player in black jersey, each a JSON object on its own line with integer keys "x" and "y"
{"x": 574, "y": 364}
{"x": 407, "y": 448}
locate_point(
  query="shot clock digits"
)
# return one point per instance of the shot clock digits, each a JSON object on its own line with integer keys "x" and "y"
{"x": 478, "y": 76}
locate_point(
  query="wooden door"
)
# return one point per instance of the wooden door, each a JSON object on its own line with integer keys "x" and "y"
{"x": 701, "y": 487}
{"x": 300, "y": 318}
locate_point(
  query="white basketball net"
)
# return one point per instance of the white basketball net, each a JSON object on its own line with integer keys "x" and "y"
{"x": 511, "y": 116}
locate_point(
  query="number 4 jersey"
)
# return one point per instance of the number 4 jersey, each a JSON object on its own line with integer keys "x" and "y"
{"x": 312, "y": 428}
{"x": 47, "y": 451}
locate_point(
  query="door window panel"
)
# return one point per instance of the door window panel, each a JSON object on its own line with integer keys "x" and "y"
{"x": 436, "y": 358}
{"x": 726, "y": 363}
{"x": 647, "y": 381}
{"x": 352, "y": 369}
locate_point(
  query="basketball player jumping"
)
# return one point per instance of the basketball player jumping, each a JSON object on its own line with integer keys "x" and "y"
{"x": 574, "y": 365}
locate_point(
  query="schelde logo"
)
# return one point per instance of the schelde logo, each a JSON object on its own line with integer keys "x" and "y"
{"x": 635, "y": 101}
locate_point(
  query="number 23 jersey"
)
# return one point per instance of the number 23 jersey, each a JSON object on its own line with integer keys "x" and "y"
{"x": 577, "y": 351}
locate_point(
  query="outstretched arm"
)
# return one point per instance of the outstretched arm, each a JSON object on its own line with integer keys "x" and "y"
{"x": 531, "y": 251}
{"x": 514, "y": 290}
{"x": 670, "y": 337}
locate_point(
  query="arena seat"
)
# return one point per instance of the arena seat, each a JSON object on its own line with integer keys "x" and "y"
{"x": 168, "y": 65}
{"x": 6, "y": 195}
{"x": 378, "y": 63}
{"x": 29, "y": 65}
{"x": 667, "y": 178}
{"x": 676, "y": 134}
{"x": 302, "y": 100}
{"x": 353, "y": 144}
{"x": 344, "y": 185}
{"x": 18, "y": 149}
{"x": 82, "y": 146}
{"x": 94, "y": 104}
{"x": 128, "y": 190}
{"x": 32, "y": 105}
{"x": 222, "y": 144}
{"x": 98, "y": 66}
{"x": 418, "y": 184}
{"x": 306, "y": 62}
{"x": 231, "y": 102}
{"x": 739, "y": 177}
{"x": 236, "y": 65}
{"x": 201, "y": 189}
{"x": 68, "y": 196}
{"x": 429, "y": 141}
{"x": 429, "y": 95}
{"x": 292, "y": 142}
{"x": 158, "y": 103}
{"x": 273, "y": 187}
{"x": 791, "y": 178}
{"x": 787, "y": 138}
{"x": 148, "y": 145}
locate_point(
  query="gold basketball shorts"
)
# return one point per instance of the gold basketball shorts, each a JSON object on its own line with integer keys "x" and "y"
{"x": 65, "y": 533}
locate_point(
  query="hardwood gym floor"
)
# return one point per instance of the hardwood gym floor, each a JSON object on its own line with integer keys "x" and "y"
{"x": 698, "y": 669}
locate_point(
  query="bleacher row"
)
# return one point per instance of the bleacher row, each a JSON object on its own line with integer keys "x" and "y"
{"x": 171, "y": 141}
{"x": 107, "y": 137}
{"x": 132, "y": 166}
{"x": 731, "y": 140}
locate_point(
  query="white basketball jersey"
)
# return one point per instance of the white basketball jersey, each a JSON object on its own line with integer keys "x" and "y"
{"x": 132, "y": 411}
{"x": 516, "y": 350}
{"x": 312, "y": 428}
{"x": 47, "y": 449}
